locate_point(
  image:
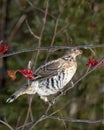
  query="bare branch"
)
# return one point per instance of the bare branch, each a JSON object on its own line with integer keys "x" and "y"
{"x": 55, "y": 30}
{"x": 28, "y": 112}
{"x": 27, "y": 124}
{"x": 33, "y": 6}
{"x": 53, "y": 48}
{"x": 30, "y": 30}
{"x": 76, "y": 120}
{"x": 6, "y": 124}
{"x": 18, "y": 121}
{"x": 93, "y": 52}
{"x": 16, "y": 28}
{"x": 35, "y": 58}
{"x": 54, "y": 35}
{"x": 41, "y": 34}
{"x": 43, "y": 117}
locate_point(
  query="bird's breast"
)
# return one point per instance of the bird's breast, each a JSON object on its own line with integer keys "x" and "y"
{"x": 55, "y": 83}
{"x": 68, "y": 74}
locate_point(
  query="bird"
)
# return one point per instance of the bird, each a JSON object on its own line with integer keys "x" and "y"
{"x": 51, "y": 77}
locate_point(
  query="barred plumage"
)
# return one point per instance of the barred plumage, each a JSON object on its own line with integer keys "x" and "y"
{"x": 51, "y": 77}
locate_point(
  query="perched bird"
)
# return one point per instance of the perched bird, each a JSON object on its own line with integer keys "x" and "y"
{"x": 51, "y": 77}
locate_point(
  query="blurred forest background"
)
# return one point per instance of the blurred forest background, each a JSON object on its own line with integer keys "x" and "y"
{"x": 26, "y": 24}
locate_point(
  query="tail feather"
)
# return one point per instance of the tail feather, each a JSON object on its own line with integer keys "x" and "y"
{"x": 11, "y": 99}
{"x": 15, "y": 95}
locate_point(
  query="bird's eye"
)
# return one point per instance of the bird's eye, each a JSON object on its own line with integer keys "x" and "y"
{"x": 65, "y": 58}
{"x": 74, "y": 50}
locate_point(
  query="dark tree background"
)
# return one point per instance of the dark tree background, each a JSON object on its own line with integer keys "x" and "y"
{"x": 26, "y": 24}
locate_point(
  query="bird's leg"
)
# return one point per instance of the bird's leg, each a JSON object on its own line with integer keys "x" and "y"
{"x": 49, "y": 104}
{"x": 48, "y": 108}
{"x": 53, "y": 101}
{"x": 44, "y": 98}
{"x": 61, "y": 92}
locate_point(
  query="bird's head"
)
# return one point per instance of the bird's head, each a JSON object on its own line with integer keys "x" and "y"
{"x": 72, "y": 53}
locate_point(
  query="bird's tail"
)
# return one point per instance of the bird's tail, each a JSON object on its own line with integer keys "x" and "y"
{"x": 18, "y": 93}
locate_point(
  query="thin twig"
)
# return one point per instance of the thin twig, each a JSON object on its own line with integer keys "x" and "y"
{"x": 27, "y": 124}
{"x": 40, "y": 37}
{"x": 62, "y": 29}
{"x": 16, "y": 27}
{"x": 53, "y": 48}
{"x": 76, "y": 120}
{"x": 30, "y": 30}
{"x": 55, "y": 32}
{"x": 33, "y": 6}
{"x": 93, "y": 52}
{"x": 36, "y": 57}
{"x": 43, "y": 117}
{"x": 6, "y": 124}
{"x": 18, "y": 121}
{"x": 28, "y": 112}
{"x": 54, "y": 35}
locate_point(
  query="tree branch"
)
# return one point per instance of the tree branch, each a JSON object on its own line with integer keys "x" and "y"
{"x": 53, "y": 48}
{"x": 6, "y": 124}
{"x": 76, "y": 120}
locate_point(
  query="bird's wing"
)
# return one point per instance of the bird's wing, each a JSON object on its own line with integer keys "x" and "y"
{"x": 49, "y": 69}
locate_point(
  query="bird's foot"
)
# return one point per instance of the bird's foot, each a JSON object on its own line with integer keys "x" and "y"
{"x": 52, "y": 102}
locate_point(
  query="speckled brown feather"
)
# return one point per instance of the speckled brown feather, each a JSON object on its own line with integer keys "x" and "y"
{"x": 51, "y": 77}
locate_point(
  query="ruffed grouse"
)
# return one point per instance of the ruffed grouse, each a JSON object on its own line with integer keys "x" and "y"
{"x": 51, "y": 77}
